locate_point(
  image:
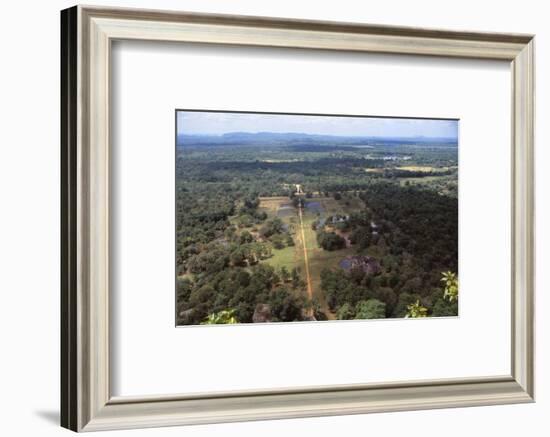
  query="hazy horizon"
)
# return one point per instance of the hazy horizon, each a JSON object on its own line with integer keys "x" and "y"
{"x": 220, "y": 123}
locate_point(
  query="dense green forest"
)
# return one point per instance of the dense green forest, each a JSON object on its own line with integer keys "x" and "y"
{"x": 316, "y": 231}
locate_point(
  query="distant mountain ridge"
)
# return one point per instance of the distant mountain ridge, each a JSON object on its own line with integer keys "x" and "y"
{"x": 293, "y": 138}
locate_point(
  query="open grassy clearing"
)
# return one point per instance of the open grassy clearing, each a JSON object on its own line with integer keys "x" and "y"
{"x": 310, "y": 235}
{"x": 290, "y": 256}
{"x": 330, "y": 206}
{"x": 423, "y": 181}
{"x": 412, "y": 168}
{"x": 351, "y": 204}
{"x": 286, "y": 257}
{"x": 271, "y": 204}
{"x": 318, "y": 259}
{"x": 421, "y": 168}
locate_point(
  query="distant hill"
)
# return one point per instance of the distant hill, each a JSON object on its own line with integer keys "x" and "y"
{"x": 297, "y": 138}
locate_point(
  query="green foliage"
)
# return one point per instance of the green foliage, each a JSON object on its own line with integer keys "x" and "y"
{"x": 370, "y": 309}
{"x": 285, "y": 275}
{"x": 451, "y": 286}
{"x": 345, "y": 312}
{"x": 444, "y": 308}
{"x": 296, "y": 278}
{"x": 213, "y": 259}
{"x": 225, "y": 317}
{"x": 318, "y": 312}
{"x": 246, "y": 237}
{"x": 415, "y": 310}
{"x": 272, "y": 227}
{"x": 361, "y": 236}
{"x": 249, "y": 254}
{"x": 224, "y": 240}
{"x": 285, "y": 307}
{"x": 388, "y": 296}
{"x": 330, "y": 240}
{"x": 184, "y": 287}
{"x": 278, "y": 241}
{"x": 418, "y": 223}
{"x": 405, "y": 299}
{"x": 339, "y": 289}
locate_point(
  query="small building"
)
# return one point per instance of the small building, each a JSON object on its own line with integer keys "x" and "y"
{"x": 337, "y": 218}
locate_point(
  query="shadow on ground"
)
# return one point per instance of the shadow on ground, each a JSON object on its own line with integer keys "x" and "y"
{"x": 49, "y": 416}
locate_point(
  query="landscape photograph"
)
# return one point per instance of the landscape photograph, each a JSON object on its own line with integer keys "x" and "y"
{"x": 301, "y": 217}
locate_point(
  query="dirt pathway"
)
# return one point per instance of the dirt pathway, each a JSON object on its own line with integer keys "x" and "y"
{"x": 306, "y": 260}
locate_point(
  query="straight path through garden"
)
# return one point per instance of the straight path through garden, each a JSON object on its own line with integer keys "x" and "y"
{"x": 306, "y": 260}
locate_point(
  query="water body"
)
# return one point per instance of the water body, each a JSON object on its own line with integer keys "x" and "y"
{"x": 314, "y": 207}
{"x": 345, "y": 264}
{"x": 286, "y": 211}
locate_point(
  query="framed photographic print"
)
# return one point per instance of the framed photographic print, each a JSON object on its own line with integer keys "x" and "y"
{"x": 267, "y": 218}
{"x": 302, "y": 217}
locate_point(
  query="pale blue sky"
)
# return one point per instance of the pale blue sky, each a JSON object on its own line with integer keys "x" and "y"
{"x": 218, "y": 123}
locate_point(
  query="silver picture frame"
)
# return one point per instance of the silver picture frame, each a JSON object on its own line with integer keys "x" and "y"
{"x": 86, "y": 400}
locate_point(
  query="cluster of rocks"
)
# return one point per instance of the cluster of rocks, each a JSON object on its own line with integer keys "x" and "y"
{"x": 365, "y": 263}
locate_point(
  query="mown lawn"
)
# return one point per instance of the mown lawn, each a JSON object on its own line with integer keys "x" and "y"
{"x": 286, "y": 257}
{"x": 422, "y": 181}
{"x": 318, "y": 258}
